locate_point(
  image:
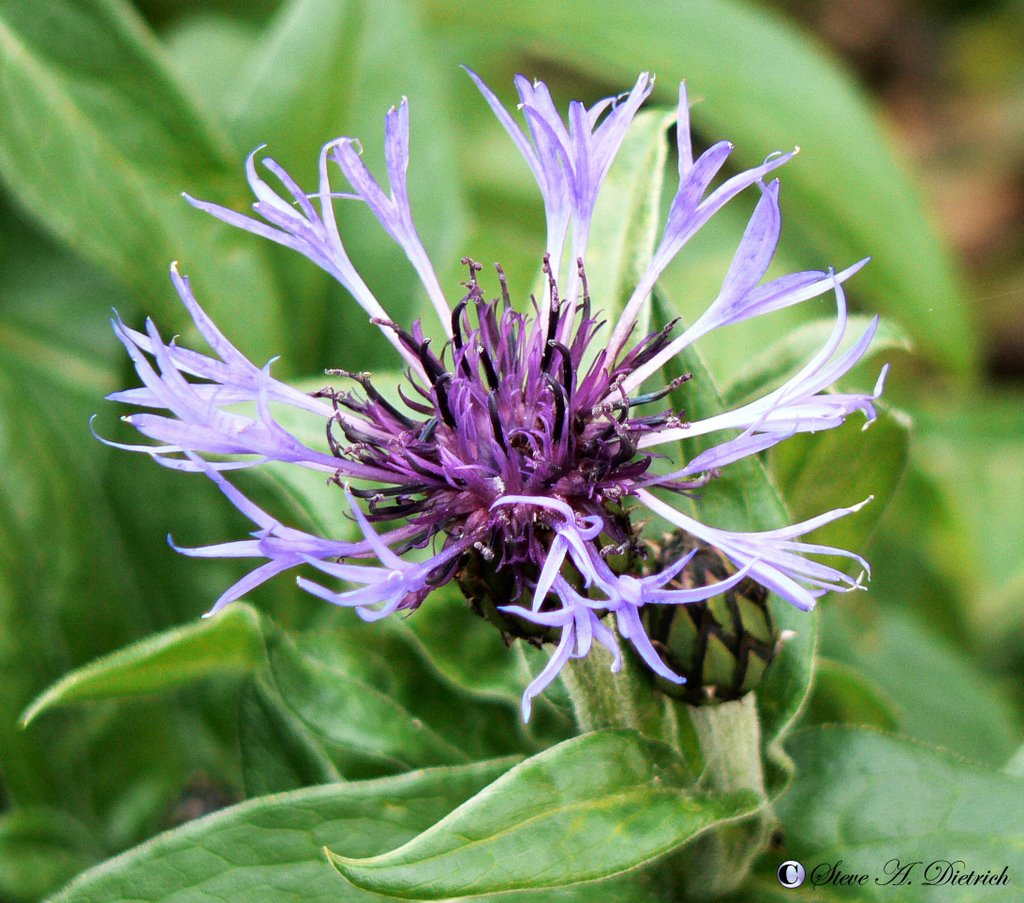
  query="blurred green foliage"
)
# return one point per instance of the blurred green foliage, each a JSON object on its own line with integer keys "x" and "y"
{"x": 110, "y": 110}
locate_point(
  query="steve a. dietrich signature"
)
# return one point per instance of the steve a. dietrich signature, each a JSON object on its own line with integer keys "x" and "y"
{"x": 898, "y": 873}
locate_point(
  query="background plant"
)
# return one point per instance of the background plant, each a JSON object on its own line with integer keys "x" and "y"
{"x": 110, "y": 111}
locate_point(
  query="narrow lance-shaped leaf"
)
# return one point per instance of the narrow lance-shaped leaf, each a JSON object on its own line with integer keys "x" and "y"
{"x": 232, "y": 641}
{"x": 98, "y": 139}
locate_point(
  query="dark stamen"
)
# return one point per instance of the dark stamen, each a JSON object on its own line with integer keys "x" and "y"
{"x": 549, "y": 339}
{"x": 506, "y": 300}
{"x": 607, "y": 432}
{"x": 651, "y": 345}
{"x": 567, "y": 367}
{"x": 441, "y": 391}
{"x": 404, "y": 336}
{"x": 417, "y": 541}
{"x": 614, "y": 426}
{"x": 553, "y": 313}
{"x": 627, "y": 448}
{"x": 560, "y": 401}
{"x": 489, "y": 372}
{"x": 402, "y": 508}
{"x": 354, "y": 434}
{"x": 457, "y": 323}
{"x": 648, "y": 397}
{"x": 441, "y": 575}
{"x": 337, "y": 449}
{"x": 364, "y": 380}
{"x": 429, "y": 428}
{"x": 552, "y": 284}
{"x": 423, "y": 466}
{"x": 499, "y": 431}
{"x": 586, "y": 289}
{"x": 434, "y": 368}
{"x": 386, "y": 491}
{"x": 457, "y": 337}
{"x": 474, "y": 268}
{"x": 623, "y": 415}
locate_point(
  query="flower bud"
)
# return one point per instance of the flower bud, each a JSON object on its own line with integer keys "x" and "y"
{"x": 721, "y": 646}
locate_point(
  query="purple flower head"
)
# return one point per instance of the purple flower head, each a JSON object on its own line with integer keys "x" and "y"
{"x": 522, "y": 448}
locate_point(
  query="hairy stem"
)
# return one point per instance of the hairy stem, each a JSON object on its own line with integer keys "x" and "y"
{"x": 729, "y": 736}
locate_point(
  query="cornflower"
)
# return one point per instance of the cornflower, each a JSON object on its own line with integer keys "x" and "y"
{"x": 520, "y": 448}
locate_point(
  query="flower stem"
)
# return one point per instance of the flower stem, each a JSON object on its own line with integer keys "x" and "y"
{"x": 602, "y": 698}
{"x": 729, "y": 736}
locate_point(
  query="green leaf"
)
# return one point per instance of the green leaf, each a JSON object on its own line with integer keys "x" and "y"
{"x": 842, "y": 694}
{"x": 204, "y": 44}
{"x": 278, "y": 753}
{"x": 232, "y": 641}
{"x": 41, "y": 849}
{"x": 270, "y": 850}
{"x": 972, "y": 452}
{"x": 98, "y": 140}
{"x": 908, "y": 660}
{"x": 398, "y": 56}
{"x": 393, "y": 663}
{"x": 764, "y": 85}
{"x": 866, "y": 798}
{"x": 55, "y": 319}
{"x": 307, "y": 44}
{"x": 762, "y": 372}
{"x": 60, "y": 531}
{"x": 362, "y": 57}
{"x": 290, "y": 89}
{"x": 72, "y": 586}
{"x": 165, "y": 131}
{"x": 365, "y": 731}
{"x": 624, "y": 229}
{"x": 591, "y": 807}
{"x": 841, "y": 467}
{"x": 465, "y": 649}
{"x": 1015, "y": 766}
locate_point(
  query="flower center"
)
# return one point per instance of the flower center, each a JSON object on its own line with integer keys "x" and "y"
{"x": 508, "y": 408}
